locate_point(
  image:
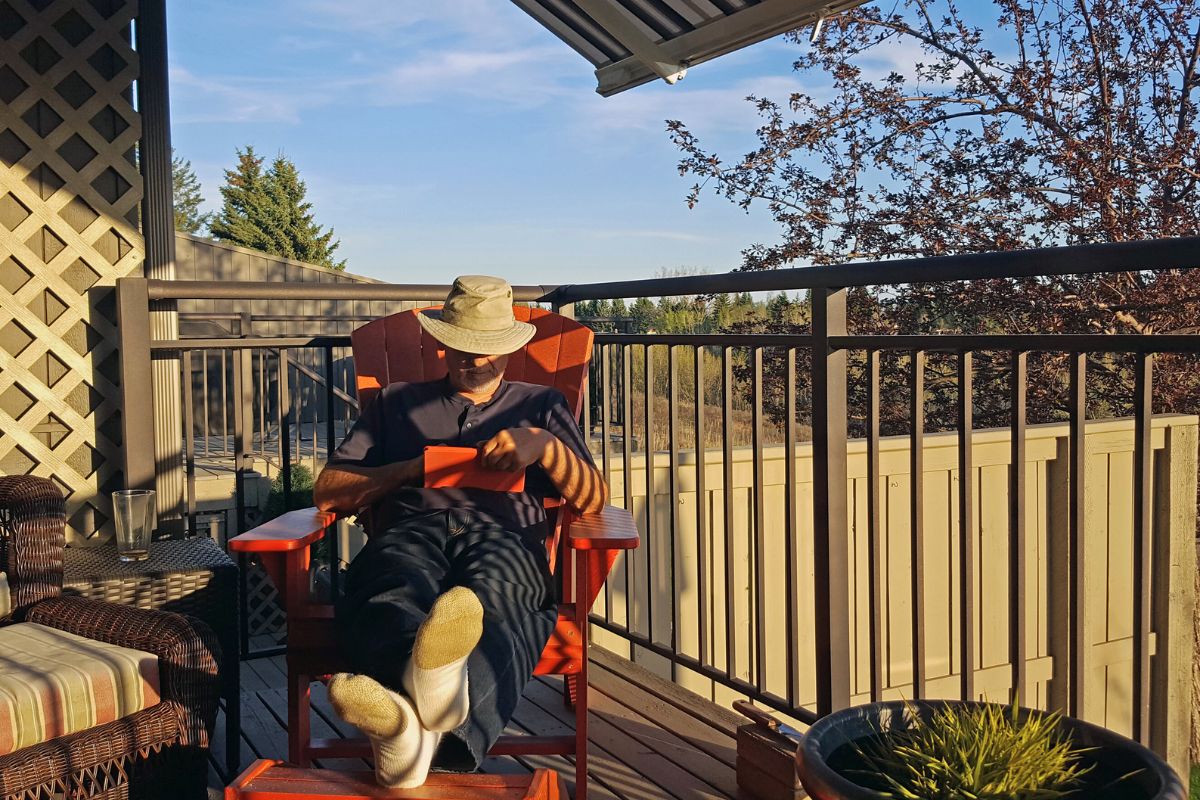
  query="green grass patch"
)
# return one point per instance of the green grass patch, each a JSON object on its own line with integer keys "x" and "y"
{"x": 1194, "y": 783}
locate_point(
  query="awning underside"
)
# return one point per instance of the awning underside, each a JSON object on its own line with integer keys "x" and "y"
{"x": 631, "y": 42}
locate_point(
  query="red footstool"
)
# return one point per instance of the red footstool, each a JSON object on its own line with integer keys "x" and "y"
{"x": 275, "y": 780}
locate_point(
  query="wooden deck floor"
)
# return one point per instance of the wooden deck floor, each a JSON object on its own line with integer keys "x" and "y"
{"x": 649, "y": 738}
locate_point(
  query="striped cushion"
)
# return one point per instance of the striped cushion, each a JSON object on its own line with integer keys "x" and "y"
{"x": 54, "y": 683}
{"x": 5, "y": 597}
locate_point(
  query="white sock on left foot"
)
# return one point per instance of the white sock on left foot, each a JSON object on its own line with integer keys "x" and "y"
{"x": 436, "y": 676}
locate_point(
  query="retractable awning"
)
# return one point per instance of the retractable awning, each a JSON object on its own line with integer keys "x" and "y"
{"x": 631, "y": 42}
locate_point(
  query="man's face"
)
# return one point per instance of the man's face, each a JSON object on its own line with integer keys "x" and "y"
{"x": 474, "y": 373}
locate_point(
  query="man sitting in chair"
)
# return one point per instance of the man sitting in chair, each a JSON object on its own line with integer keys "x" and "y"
{"x": 449, "y": 604}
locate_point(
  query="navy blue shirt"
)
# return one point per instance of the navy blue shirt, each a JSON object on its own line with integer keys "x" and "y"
{"x": 407, "y": 417}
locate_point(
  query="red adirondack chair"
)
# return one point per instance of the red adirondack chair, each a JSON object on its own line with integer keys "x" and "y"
{"x": 394, "y": 349}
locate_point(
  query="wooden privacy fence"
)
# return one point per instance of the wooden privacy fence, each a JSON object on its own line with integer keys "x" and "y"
{"x": 640, "y": 599}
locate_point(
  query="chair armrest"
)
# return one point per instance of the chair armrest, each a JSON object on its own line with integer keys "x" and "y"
{"x": 294, "y": 530}
{"x": 33, "y": 515}
{"x": 611, "y": 528}
{"x": 187, "y": 652}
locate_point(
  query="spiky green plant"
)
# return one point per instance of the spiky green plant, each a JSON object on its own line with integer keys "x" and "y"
{"x": 984, "y": 752}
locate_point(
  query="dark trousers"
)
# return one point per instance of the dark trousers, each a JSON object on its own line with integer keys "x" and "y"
{"x": 392, "y": 584}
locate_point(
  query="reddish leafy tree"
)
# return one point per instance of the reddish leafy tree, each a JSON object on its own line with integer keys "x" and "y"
{"x": 1028, "y": 124}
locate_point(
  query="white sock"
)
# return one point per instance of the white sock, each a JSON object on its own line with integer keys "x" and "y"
{"x": 402, "y": 749}
{"x": 436, "y": 676}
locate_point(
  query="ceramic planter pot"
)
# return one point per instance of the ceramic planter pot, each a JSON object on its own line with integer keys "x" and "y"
{"x": 827, "y": 752}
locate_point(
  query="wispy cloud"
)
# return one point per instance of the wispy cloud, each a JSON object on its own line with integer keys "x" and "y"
{"x": 398, "y": 25}
{"x": 525, "y": 76}
{"x": 646, "y": 233}
{"x": 635, "y": 120}
{"x": 212, "y": 98}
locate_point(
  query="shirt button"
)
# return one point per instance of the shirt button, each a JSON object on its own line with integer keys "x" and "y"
{"x": 470, "y": 424}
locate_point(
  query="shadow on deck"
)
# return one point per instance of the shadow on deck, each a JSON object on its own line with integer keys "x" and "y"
{"x": 649, "y": 738}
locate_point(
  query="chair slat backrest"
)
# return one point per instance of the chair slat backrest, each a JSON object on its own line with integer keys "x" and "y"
{"x": 396, "y": 348}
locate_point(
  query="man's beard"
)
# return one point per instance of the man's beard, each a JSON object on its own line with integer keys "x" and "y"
{"x": 474, "y": 380}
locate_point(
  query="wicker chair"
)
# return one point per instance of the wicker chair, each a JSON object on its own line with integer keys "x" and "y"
{"x": 159, "y": 751}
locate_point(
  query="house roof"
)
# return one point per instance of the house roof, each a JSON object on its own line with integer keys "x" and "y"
{"x": 631, "y": 42}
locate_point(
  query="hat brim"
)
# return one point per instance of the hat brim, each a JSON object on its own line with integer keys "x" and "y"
{"x": 483, "y": 343}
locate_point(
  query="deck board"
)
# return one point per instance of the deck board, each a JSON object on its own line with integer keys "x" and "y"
{"x": 643, "y": 744}
{"x": 714, "y": 739}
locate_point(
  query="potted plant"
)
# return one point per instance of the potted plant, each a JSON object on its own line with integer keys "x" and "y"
{"x": 954, "y": 750}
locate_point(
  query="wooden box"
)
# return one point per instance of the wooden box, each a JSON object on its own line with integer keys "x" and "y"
{"x": 766, "y": 765}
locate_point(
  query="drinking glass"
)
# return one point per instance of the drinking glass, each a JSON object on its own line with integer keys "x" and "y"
{"x": 133, "y": 514}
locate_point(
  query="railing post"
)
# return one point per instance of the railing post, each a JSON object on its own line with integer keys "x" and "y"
{"x": 158, "y": 229}
{"x": 137, "y": 391}
{"x": 243, "y": 421}
{"x": 831, "y": 550}
{"x": 565, "y": 309}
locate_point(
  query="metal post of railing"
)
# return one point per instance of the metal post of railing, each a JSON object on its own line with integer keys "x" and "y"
{"x": 335, "y": 541}
{"x": 1143, "y": 577}
{"x": 1077, "y": 511}
{"x": 916, "y": 473}
{"x": 966, "y": 523}
{"x": 727, "y": 509}
{"x": 875, "y": 565}
{"x": 758, "y": 538}
{"x": 703, "y": 559}
{"x": 830, "y": 525}
{"x": 1018, "y": 578}
{"x": 285, "y": 428}
{"x": 189, "y": 440}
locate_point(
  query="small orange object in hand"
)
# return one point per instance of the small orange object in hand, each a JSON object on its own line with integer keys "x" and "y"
{"x": 462, "y": 467}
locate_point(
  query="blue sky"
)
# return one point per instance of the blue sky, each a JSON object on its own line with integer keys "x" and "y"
{"x": 461, "y": 136}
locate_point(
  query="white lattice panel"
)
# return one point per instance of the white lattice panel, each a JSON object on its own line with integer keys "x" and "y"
{"x": 69, "y": 198}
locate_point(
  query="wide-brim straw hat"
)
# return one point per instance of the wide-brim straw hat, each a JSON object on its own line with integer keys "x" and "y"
{"x": 478, "y": 318}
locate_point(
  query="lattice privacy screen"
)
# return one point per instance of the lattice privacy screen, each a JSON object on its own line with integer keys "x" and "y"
{"x": 69, "y": 198}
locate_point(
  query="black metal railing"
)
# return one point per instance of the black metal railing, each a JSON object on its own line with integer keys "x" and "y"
{"x": 691, "y": 385}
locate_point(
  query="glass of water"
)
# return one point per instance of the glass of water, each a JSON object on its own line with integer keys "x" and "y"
{"x": 133, "y": 515}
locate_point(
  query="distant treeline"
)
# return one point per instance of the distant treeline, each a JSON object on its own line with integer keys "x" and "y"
{"x": 700, "y": 314}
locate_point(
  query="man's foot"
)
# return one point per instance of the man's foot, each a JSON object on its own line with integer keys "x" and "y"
{"x": 403, "y": 750}
{"x": 436, "y": 677}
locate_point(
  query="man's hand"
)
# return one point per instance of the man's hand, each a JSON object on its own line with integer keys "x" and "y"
{"x": 578, "y": 482}
{"x": 514, "y": 449}
{"x": 349, "y": 489}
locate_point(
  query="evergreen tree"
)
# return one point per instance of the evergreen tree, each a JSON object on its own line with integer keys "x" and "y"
{"x": 778, "y": 307}
{"x": 644, "y": 314}
{"x": 720, "y": 311}
{"x": 266, "y": 210}
{"x": 187, "y": 197}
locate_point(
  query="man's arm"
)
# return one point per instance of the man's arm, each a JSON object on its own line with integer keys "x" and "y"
{"x": 579, "y": 483}
{"x": 346, "y": 489}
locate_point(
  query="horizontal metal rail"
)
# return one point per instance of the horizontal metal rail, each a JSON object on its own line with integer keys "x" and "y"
{"x": 1026, "y": 343}
{"x": 274, "y": 290}
{"x": 709, "y": 339}
{"x": 1093, "y": 259}
{"x": 247, "y": 343}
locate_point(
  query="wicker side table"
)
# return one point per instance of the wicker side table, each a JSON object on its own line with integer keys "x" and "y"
{"x": 188, "y": 576}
